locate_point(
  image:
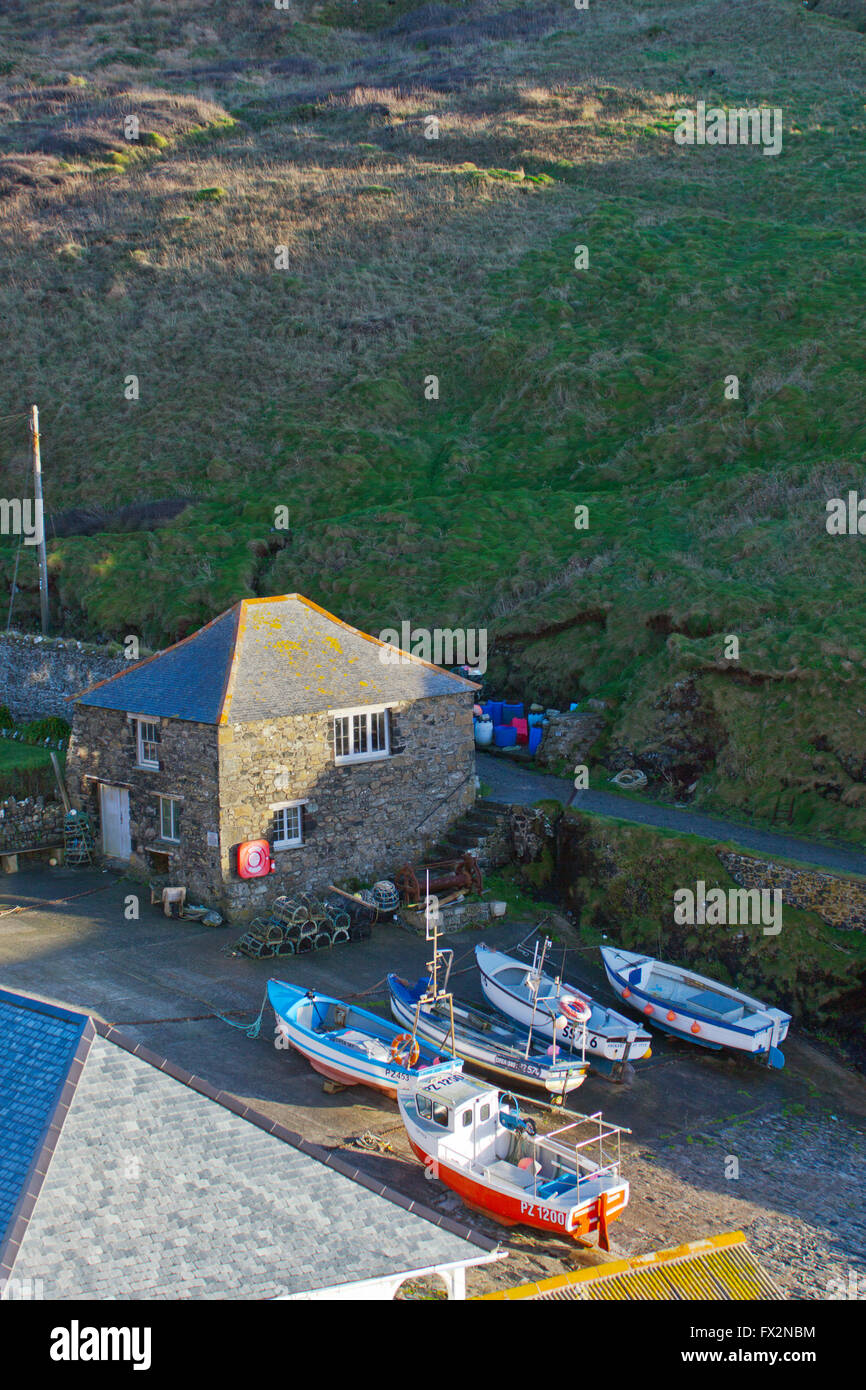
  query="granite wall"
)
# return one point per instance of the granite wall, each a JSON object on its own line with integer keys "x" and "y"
{"x": 29, "y": 822}
{"x": 38, "y": 673}
{"x": 103, "y": 748}
{"x": 839, "y": 901}
{"x": 360, "y": 820}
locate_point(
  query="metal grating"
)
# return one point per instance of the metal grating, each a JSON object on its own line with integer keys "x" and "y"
{"x": 719, "y": 1268}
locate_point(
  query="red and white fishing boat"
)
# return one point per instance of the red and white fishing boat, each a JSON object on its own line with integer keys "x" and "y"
{"x": 476, "y": 1141}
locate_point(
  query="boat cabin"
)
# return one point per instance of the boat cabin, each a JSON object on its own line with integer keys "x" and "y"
{"x": 462, "y": 1108}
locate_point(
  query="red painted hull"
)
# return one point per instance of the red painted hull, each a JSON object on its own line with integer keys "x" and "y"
{"x": 346, "y": 1078}
{"x": 512, "y": 1211}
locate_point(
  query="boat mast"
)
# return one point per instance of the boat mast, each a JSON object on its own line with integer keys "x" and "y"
{"x": 433, "y": 995}
{"x": 536, "y": 978}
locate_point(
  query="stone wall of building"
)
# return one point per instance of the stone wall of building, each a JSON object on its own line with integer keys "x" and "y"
{"x": 38, "y": 673}
{"x": 361, "y": 820}
{"x": 103, "y": 749}
{"x": 29, "y": 822}
{"x": 839, "y": 901}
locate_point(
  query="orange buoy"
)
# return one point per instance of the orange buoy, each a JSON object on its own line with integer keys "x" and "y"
{"x": 696, "y": 1027}
{"x": 647, "y": 1008}
{"x": 626, "y": 992}
{"x": 405, "y": 1050}
{"x": 670, "y": 1015}
{"x": 576, "y": 1008}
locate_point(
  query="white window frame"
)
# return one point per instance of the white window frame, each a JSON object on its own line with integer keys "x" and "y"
{"x": 365, "y": 713}
{"x": 289, "y": 806}
{"x": 141, "y": 760}
{"x": 175, "y": 801}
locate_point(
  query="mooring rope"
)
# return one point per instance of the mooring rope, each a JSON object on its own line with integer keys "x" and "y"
{"x": 253, "y": 1029}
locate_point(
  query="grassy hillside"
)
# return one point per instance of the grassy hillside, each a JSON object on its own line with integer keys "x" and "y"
{"x": 407, "y": 257}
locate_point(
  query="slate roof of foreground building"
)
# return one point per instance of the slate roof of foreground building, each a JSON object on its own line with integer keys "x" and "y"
{"x": 267, "y": 658}
{"x": 144, "y": 1182}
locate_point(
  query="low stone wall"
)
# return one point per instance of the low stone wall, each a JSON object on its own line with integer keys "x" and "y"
{"x": 568, "y": 738}
{"x": 33, "y": 821}
{"x": 38, "y": 673}
{"x": 841, "y": 902}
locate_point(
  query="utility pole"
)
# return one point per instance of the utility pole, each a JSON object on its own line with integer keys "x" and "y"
{"x": 40, "y": 518}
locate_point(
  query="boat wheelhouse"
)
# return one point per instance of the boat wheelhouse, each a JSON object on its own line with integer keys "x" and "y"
{"x": 475, "y": 1140}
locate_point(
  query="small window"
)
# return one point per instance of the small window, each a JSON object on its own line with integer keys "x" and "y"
{"x": 425, "y": 1106}
{"x": 148, "y": 743}
{"x": 169, "y": 819}
{"x": 362, "y": 735}
{"x": 288, "y": 826}
{"x": 484, "y": 1113}
{"x": 440, "y": 1114}
{"x": 466, "y": 1118}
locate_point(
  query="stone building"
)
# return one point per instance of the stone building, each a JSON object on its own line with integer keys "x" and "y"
{"x": 276, "y": 721}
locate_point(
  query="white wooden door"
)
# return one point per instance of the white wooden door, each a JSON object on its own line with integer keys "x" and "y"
{"x": 114, "y": 818}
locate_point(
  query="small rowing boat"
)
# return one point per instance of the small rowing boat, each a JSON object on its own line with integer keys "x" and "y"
{"x": 694, "y": 1007}
{"x": 475, "y": 1141}
{"x": 524, "y": 993}
{"x": 484, "y": 1039}
{"x": 350, "y": 1045}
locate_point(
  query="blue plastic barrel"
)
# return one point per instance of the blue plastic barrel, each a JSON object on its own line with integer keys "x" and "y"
{"x": 535, "y": 736}
{"x": 504, "y": 736}
{"x": 510, "y": 712}
{"x": 494, "y": 709}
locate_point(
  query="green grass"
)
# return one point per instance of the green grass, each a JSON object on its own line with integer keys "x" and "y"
{"x": 557, "y": 387}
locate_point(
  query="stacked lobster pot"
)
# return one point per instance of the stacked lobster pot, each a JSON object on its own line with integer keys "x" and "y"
{"x": 295, "y": 926}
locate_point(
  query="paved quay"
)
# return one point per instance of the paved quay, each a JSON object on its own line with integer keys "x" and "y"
{"x": 797, "y": 1135}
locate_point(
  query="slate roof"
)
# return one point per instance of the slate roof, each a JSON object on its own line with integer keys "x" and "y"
{"x": 264, "y": 659}
{"x": 158, "y": 1188}
{"x": 37, "y": 1045}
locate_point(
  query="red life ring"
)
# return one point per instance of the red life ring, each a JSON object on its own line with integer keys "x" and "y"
{"x": 254, "y": 859}
{"x": 575, "y": 1008}
{"x": 405, "y": 1050}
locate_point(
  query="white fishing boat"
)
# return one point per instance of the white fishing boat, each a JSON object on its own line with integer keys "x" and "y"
{"x": 475, "y": 1141}
{"x": 551, "y": 1006}
{"x": 696, "y": 1008}
{"x": 350, "y": 1045}
{"x": 485, "y": 1040}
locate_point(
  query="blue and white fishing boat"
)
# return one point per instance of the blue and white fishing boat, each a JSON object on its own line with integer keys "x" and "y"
{"x": 556, "y": 1009}
{"x": 696, "y": 1008}
{"x": 353, "y": 1047}
{"x": 482, "y": 1038}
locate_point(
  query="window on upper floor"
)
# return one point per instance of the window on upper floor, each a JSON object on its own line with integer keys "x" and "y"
{"x": 361, "y": 735}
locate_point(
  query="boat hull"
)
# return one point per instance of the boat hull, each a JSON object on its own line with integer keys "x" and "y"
{"x": 579, "y": 1222}
{"x": 530, "y": 1073}
{"x": 629, "y": 1047}
{"x": 351, "y": 1067}
{"x": 672, "y": 1016}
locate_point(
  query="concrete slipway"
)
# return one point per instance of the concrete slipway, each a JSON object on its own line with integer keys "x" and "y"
{"x": 799, "y": 1193}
